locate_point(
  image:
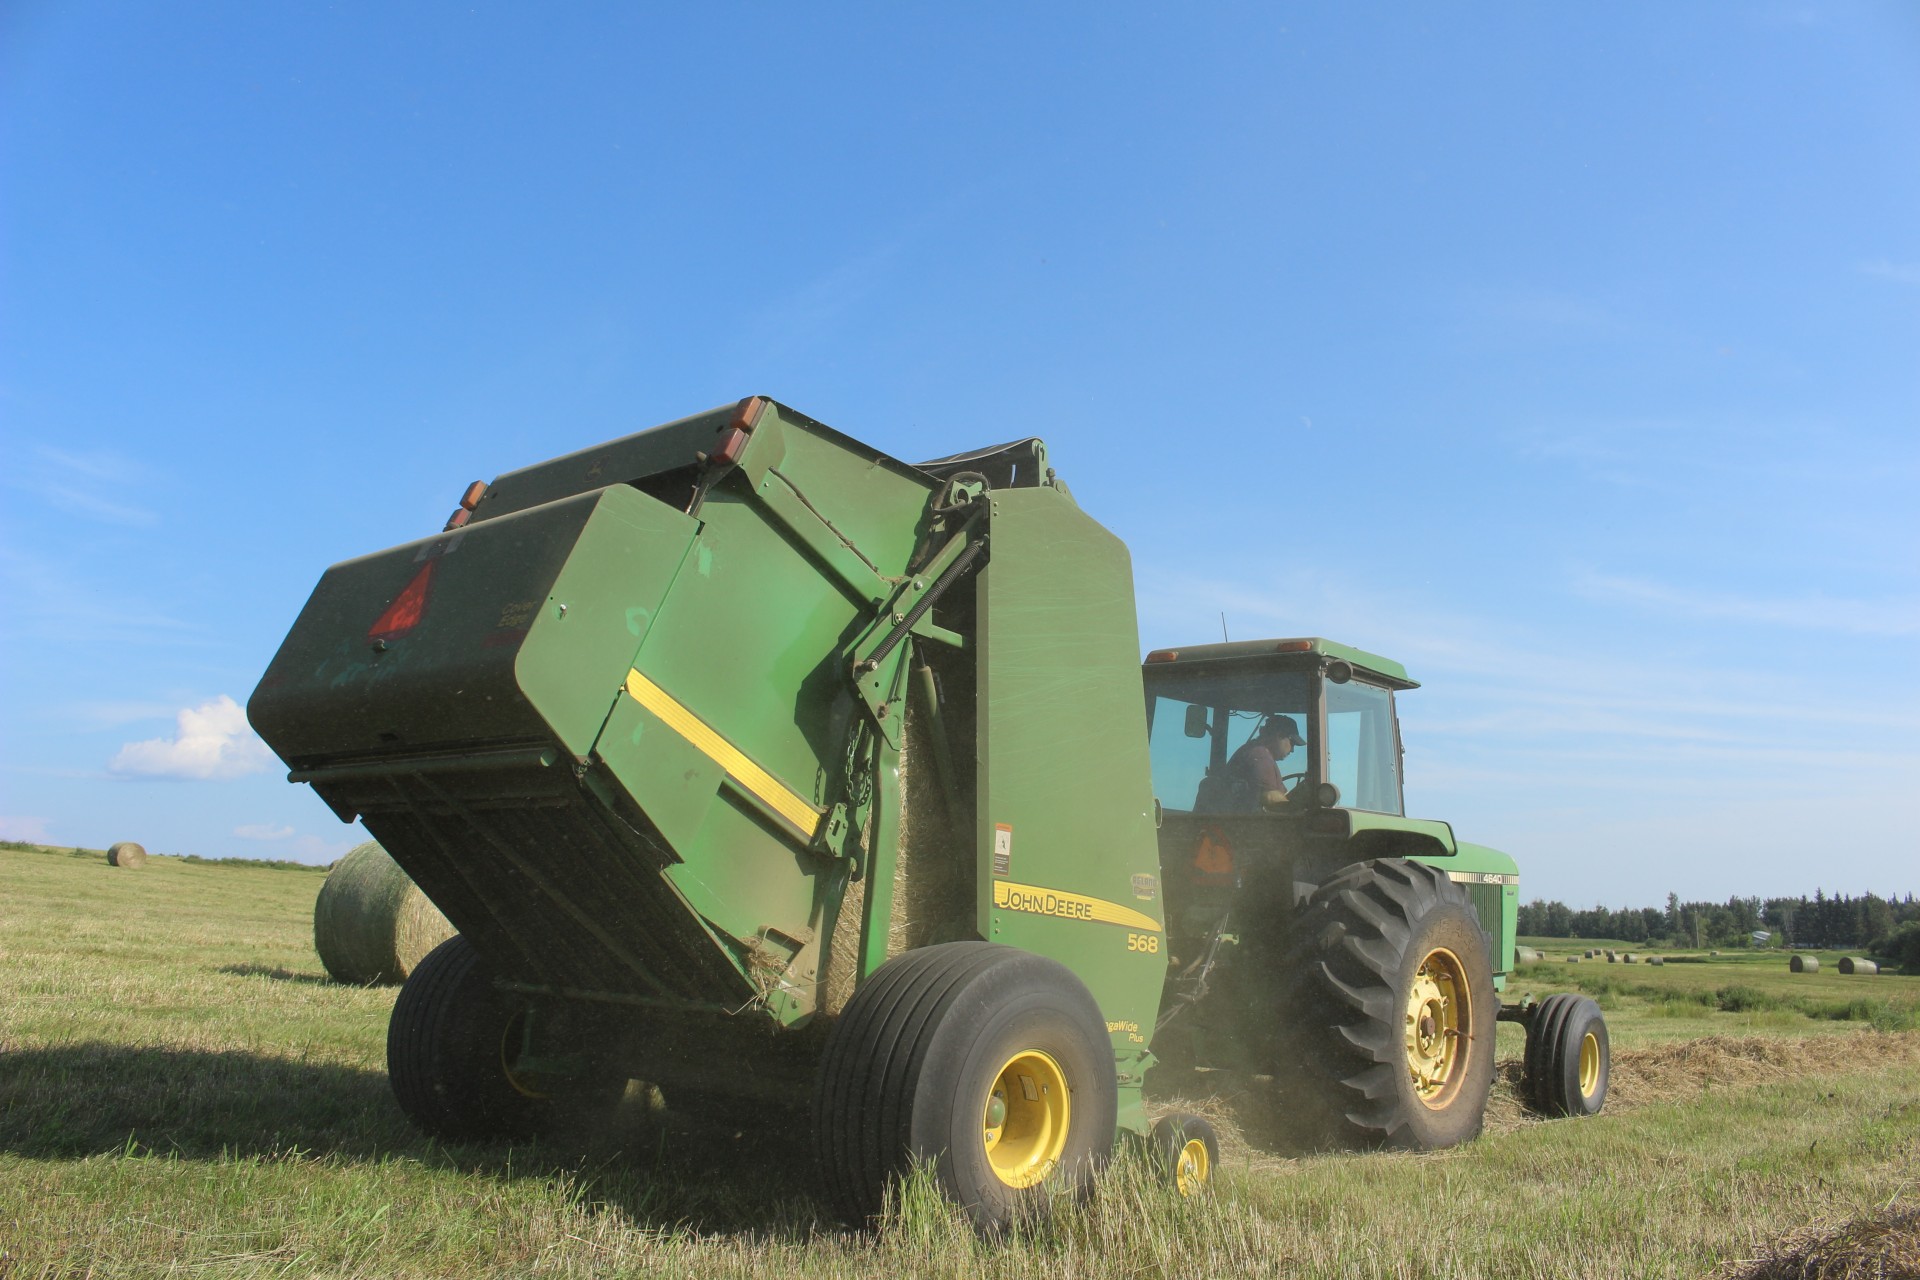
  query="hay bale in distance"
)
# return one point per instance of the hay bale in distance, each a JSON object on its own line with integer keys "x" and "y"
{"x": 1589, "y": 953}
{"x": 1628, "y": 957}
{"x": 1804, "y": 964}
{"x": 1656, "y": 959}
{"x": 1527, "y": 955}
{"x": 1857, "y": 964}
{"x": 1612, "y": 957}
{"x": 370, "y": 923}
{"x": 126, "y": 854}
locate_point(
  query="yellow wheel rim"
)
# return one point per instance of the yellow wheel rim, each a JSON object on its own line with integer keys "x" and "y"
{"x": 1191, "y": 1171}
{"x": 1025, "y": 1118}
{"x": 1589, "y": 1064}
{"x": 1439, "y": 1014}
{"x": 510, "y": 1043}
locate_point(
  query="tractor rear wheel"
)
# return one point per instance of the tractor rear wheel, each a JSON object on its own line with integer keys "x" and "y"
{"x": 1567, "y": 1059}
{"x": 989, "y": 1065}
{"x": 451, "y": 1045}
{"x": 1394, "y": 1009}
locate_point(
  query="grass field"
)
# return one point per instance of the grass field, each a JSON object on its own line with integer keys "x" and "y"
{"x": 183, "y": 1092}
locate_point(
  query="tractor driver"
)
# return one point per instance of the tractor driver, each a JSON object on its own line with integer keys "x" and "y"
{"x": 1255, "y": 768}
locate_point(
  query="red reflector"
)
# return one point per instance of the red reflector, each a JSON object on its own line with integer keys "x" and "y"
{"x": 475, "y": 491}
{"x": 1163, "y": 655}
{"x": 459, "y": 517}
{"x": 1294, "y": 646}
{"x": 404, "y": 614}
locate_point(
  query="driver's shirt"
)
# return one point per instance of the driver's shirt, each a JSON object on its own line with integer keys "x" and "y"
{"x": 1254, "y": 765}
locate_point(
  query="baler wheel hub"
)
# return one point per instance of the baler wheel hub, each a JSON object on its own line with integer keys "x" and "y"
{"x": 1024, "y": 1122}
{"x": 1195, "y": 1167}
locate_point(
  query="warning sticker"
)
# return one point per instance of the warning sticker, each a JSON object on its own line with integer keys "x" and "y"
{"x": 1002, "y": 849}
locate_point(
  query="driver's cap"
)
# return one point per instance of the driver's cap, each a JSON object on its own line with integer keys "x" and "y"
{"x": 1279, "y": 726}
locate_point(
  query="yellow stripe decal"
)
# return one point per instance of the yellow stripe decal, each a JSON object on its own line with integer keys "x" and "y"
{"x": 1009, "y": 896}
{"x": 770, "y": 790}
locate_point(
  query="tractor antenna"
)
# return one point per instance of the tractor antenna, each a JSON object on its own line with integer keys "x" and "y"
{"x": 1223, "y": 625}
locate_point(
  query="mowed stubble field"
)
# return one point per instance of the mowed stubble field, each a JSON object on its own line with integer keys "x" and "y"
{"x": 183, "y": 1091}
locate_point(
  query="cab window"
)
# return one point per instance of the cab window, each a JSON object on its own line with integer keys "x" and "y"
{"x": 1195, "y": 722}
{"x": 1362, "y": 756}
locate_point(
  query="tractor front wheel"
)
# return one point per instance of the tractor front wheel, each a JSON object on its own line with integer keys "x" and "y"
{"x": 1567, "y": 1059}
{"x": 1394, "y": 1008}
{"x": 989, "y": 1065}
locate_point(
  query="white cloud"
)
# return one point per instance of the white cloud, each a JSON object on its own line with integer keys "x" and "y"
{"x": 1898, "y": 272}
{"x": 213, "y": 741}
{"x": 262, "y": 831}
{"x": 30, "y": 830}
{"x": 1821, "y": 612}
{"x": 50, "y": 600}
{"x": 95, "y": 485}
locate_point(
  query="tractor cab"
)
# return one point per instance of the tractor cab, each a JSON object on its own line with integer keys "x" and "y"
{"x": 1330, "y": 705}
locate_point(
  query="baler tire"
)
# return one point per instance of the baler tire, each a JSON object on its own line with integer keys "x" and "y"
{"x": 914, "y": 1065}
{"x": 446, "y": 1051}
{"x": 1383, "y": 954}
{"x": 1186, "y": 1150}
{"x": 1567, "y": 1058}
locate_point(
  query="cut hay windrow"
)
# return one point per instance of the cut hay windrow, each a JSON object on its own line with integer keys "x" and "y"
{"x": 371, "y": 924}
{"x": 1662, "y": 1073}
{"x": 126, "y": 854}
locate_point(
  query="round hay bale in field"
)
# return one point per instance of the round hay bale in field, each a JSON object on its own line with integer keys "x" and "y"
{"x": 1856, "y": 964}
{"x": 126, "y": 854}
{"x": 1526, "y": 955}
{"x": 1804, "y": 964}
{"x": 370, "y": 923}
{"x": 1656, "y": 959}
{"x": 1611, "y": 957}
{"x": 1589, "y": 953}
{"x": 1573, "y": 959}
{"x": 1627, "y": 957}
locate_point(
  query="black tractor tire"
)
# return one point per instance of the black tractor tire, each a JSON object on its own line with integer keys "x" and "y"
{"x": 449, "y": 1043}
{"x": 1568, "y": 1060}
{"x": 1384, "y": 956}
{"x": 932, "y": 1048}
{"x": 1186, "y": 1150}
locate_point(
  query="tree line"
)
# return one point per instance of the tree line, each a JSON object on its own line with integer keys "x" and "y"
{"x": 1837, "y": 922}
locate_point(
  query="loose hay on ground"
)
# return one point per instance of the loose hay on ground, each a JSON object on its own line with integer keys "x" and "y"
{"x": 1883, "y": 1247}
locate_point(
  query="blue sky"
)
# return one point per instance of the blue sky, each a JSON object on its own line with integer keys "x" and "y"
{"x": 1570, "y": 354}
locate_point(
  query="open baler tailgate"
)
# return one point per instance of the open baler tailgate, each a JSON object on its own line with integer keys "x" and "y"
{"x": 445, "y": 691}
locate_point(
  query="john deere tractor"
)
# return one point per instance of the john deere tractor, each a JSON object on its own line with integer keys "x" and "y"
{"x": 759, "y": 765}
